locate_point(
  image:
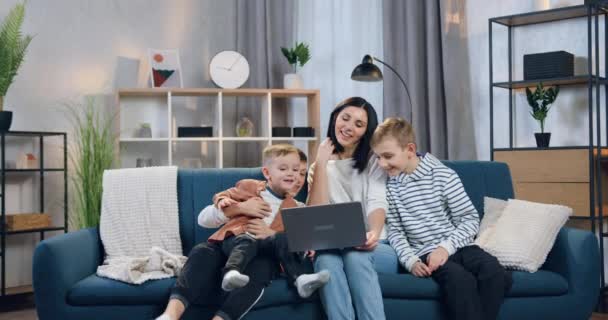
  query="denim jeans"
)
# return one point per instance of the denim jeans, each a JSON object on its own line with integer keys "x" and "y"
{"x": 385, "y": 258}
{"x": 353, "y": 286}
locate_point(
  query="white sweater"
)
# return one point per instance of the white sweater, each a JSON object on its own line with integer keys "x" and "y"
{"x": 346, "y": 184}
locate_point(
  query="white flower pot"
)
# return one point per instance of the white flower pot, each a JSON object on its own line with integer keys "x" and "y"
{"x": 292, "y": 81}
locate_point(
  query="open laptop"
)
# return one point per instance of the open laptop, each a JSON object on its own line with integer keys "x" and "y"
{"x": 333, "y": 226}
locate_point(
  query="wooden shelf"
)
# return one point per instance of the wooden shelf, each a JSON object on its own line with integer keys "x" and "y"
{"x": 19, "y": 290}
{"x": 547, "y": 15}
{"x": 246, "y": 92}
{"x": 211, "y": 139}
{"x": 237, "y": 139}
{"x": 166, "y": 110}
{"x": 567, "y": 81}
{"x": 34, "y": 170}
{"x": 293, "y": 138}
{"x": 34, "y": 230}
{"x": 144, "y": 139}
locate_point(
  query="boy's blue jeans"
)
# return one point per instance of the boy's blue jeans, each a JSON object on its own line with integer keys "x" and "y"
{"x": 354, "y": 282}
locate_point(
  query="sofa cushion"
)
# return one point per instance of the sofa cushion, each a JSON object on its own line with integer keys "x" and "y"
{"x": 525, "y": 233}
{"x": 94, "y": 290}
{"x": 280, "y": 293}
{"x": 407, "y": 286}
{"x": 483, "y": 179}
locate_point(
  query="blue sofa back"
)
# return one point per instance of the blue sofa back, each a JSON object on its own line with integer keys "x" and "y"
{"x": 195, "y": 189}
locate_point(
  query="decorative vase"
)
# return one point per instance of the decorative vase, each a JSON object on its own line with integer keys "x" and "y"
{"x": 542, "y": 139}
{"x": 6, "y": 117}
{"x": 292, "y": 81}
{"x": 143, "y": 162}
{"x": 244, "y": 128}
{"x": 144, "y": 131}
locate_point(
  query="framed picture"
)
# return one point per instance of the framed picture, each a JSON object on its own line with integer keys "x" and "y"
{"x": 165, "y": 68}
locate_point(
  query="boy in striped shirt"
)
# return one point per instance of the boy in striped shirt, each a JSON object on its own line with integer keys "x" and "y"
{"x": 432, "y": 224}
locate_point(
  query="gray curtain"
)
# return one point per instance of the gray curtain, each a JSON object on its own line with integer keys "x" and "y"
{"x": 413, "y": 46}
{"x": 457, "y": 77}
{"x": 263, "y": 27}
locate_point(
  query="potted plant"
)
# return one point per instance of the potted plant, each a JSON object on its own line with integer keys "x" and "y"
{"x": 298, "y": 54}
{"x": 12, "y": 50}
{"x": 91, "y": 153}
{"x": 539, "y": 101}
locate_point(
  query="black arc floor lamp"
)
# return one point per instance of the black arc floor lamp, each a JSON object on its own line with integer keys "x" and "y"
{"x": 367, "y": 71}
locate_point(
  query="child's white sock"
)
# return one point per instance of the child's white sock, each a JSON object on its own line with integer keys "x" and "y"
{"x": 308, "y": 283}
{"x": 234, "y": 280}
{"x": 163, "y": 317}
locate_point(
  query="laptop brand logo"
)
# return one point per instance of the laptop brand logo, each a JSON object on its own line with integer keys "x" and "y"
{"x": 324, "y": 227}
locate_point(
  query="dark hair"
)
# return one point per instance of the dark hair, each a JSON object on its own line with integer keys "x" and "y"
{"x": 303, "y": 157}
{"x": 362, "y": 153}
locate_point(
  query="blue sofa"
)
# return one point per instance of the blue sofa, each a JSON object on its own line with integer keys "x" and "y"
{"x": 66, "y": 286}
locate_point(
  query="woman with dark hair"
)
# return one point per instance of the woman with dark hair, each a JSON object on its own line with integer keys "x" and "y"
{"x": 346, "y": 171}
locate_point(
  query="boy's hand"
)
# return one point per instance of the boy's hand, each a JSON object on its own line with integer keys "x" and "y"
{"x": 225, "y": 202}
{"x": 255, "y": 208}
{"x": 437, "y": 258}
{"x": 310, "y": 254}
{"x": 259, "y": 229}
{"x": 326, "y": 148}
{"x": 371, "y": 243}
{"x": 421, "y": 270}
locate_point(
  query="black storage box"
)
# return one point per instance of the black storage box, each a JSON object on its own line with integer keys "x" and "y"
{"x": 303, "y": 132}
{"x": 546, "y": 65}
{"x": 194, "y": 132}
{"x": 281, "y": 131}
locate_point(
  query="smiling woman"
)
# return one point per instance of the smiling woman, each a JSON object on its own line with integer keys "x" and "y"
{"x": 345, "y": 171}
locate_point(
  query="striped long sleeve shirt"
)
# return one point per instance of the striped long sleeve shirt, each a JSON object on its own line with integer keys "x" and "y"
{"x": 429, "y": 208}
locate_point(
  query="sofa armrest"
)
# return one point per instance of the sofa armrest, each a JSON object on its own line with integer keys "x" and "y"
{"x": 575, "y": 255}
{"x": 59, "y": 263}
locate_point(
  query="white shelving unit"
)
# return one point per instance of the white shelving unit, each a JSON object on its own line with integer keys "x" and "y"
{"x": 167, "y": 109}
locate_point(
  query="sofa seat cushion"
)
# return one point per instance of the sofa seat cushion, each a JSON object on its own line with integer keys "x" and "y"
{"x": 407, "y": 286}
{"x": 279, "y": 293}
{"x": 94, "y": 290}
{"x": 539, "y": 283}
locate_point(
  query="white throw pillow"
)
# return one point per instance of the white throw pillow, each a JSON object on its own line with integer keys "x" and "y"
{"x": 524, "y": 234}
{"x": 492, "y": 210}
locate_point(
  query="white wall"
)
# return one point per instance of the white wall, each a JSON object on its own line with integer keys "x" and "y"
{"x": 75, "y": 52}
{"x": 567, "y": 121}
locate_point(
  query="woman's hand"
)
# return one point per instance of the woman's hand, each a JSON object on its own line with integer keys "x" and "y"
{"x": 254, "y": 208}
{"x": 371, "y": 243}
{"x": 326, "y": 149}
{"x": 259, "y": 229}
{"x": 225, "y": 202}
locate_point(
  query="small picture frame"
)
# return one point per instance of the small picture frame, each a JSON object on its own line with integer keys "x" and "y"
{"x": 165, "y": 68}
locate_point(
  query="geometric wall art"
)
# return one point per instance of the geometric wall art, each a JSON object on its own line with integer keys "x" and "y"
{"x": 165, "y": 68}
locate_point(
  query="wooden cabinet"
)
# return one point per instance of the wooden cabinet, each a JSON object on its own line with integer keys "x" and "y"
{"x": 557, "y": 176}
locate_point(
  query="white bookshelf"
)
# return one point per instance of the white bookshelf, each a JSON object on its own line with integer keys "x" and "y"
{"x": 167, "y": 109}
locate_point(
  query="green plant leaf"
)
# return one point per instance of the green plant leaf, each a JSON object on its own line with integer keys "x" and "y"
{"x": 298, "y": 54}
{"x": 91, "y": 154}
{"x": 303, "y": 53}
{"x": 540, "y": 101}
{"x": 13, "y": 46}
{"x": 290, "y": 55}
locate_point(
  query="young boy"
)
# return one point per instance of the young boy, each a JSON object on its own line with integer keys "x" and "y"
{"x": 281, "y": 168}
{"x": 432, "y": 224}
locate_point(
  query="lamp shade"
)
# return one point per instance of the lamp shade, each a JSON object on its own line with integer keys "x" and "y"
{"x": 367, "y": 71}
